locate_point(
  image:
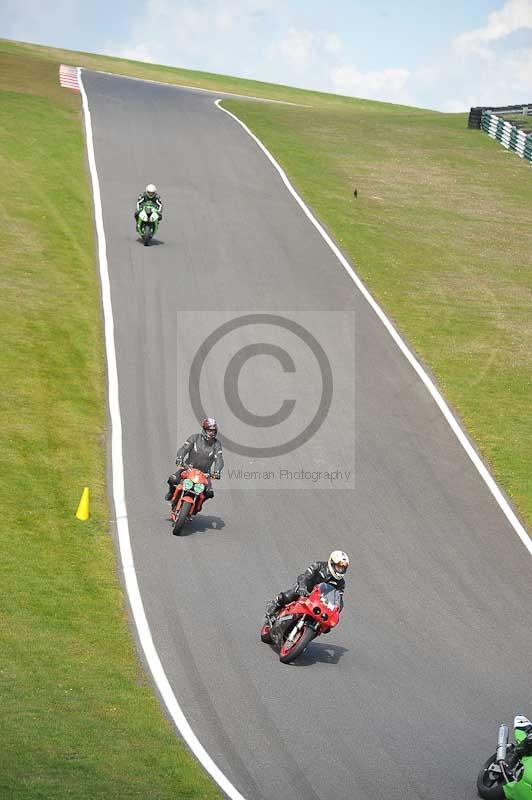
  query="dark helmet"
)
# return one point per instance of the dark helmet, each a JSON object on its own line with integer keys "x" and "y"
{"x": 210, "y": 428}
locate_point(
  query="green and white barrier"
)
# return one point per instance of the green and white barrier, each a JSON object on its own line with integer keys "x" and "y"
{"x": 508, "y": 134}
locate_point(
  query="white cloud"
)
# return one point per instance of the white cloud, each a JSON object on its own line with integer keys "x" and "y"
{"x": 316, "y": 59}
{"x": 513, "y": 16}
{"x": 297, "y": 48}
{"x": 332, "y": 44}
{"x": 249, "y": 38}
{"x": 219, "y": 35}
{"x": 491, "y": 65}
{"x": 302, "y": 48}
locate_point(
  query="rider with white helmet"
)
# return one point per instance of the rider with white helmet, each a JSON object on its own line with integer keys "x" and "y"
{"x": 149, "y": 195}
{"x": 332, "y": 571}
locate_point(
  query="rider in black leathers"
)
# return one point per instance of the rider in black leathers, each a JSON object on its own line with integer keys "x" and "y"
{"x": 331, "y": 571}
{"x": 202, "y": 451}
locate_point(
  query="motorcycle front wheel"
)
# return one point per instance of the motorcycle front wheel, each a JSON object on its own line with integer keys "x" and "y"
{"x": 291, "y": 650}
{"x": 181, "y": 519}
{"x": 265, "y": 637}
{"x": 490, "y": 783}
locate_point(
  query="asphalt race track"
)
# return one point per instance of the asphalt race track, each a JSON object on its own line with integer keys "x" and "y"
{"x": 404, "y": 698}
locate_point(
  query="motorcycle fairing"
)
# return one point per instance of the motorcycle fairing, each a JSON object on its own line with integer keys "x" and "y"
{"x": 521, "y": 789}
{"x": 280, "y": 627}
{"x": 182, "y": 495}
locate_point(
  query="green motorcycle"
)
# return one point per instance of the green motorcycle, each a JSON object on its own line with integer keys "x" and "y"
{"x": 508, "y": 772}
{"x": 147, "y": 222}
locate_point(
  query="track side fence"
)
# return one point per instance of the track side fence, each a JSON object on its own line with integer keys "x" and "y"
{"x": 509, "y": 125}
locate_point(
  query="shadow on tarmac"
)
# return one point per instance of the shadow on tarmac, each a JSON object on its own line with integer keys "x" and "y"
{"x": 321, "y": 653}
{"x": 202, "y": 524}
{"x": 153, "y": 242}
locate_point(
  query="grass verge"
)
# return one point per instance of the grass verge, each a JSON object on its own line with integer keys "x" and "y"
{"x": 79, "y": 719}
{"x": 440, "y": 233}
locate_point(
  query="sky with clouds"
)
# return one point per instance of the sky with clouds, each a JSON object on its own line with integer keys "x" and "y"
{"x": 442, "y": 55}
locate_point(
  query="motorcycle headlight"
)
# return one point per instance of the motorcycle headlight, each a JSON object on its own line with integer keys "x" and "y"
{"x": 188, "y": 484}
{"x": 199, "y": 487}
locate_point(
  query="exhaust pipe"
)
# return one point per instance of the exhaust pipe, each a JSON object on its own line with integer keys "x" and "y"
{"x": 502, "y": 743}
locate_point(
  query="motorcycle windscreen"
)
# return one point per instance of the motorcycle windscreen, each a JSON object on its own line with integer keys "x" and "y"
{"x": 330, "y": 596}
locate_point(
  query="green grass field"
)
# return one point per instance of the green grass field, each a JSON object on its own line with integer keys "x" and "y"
{"x": 440, "y": 232}
{"x": 79, "y": 719}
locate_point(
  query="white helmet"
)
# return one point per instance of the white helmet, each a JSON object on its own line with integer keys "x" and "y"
{"x": 151, "y": 190}
{"x": 338, "y": 563}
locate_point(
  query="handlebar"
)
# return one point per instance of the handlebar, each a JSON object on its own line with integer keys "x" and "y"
{"x": 215, "y": 475}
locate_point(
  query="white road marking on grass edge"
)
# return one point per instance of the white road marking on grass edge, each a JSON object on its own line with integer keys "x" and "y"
{"x": 117, "y": 463}
{"x": 437, "y": 397}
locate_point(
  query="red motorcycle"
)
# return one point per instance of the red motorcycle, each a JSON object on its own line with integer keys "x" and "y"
{"x": 188, "y": 497}
{"x": 297, "y": 624}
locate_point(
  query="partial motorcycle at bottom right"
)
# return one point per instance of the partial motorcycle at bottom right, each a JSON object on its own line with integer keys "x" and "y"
{"x": 293, "y": 628}
{"x": 508, "y": 772}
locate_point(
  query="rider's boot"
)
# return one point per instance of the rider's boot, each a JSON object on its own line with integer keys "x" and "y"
{"x": 171, "y": 488}
{"x": 272, "y": 609}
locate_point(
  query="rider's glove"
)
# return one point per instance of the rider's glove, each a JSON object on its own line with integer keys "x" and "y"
{"x": 303, "y": 591}
{"x": 216, "y": 475}
{"x": 178, "y": 462}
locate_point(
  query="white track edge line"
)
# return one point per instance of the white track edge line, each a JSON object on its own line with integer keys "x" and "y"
{"x": 196, "y": 88}
{"x": 437, "y": 397}
{"x": 117, "y": 463}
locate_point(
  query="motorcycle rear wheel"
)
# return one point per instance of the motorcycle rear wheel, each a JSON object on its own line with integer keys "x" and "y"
{"x": 488, "y": 788}
{"x": 181, "y": 519}
{"x": 289, "y": 654}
